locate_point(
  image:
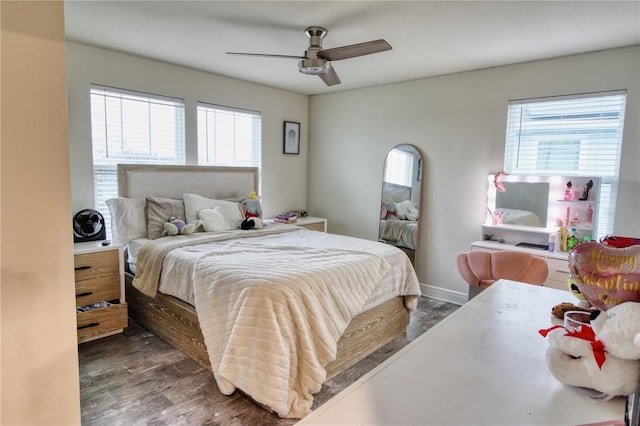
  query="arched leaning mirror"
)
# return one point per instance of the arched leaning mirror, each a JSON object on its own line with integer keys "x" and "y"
{"x": 400, "y": 202}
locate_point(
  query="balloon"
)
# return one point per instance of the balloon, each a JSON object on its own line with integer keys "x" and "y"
{"x": 606, "y": 276}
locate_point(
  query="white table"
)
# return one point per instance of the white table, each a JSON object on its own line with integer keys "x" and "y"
{"x": 483, "y": 364}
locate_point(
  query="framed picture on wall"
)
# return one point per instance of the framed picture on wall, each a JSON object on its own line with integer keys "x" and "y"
{"x": 291, "y": 143}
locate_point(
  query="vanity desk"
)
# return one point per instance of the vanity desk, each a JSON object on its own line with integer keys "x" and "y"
{"x": 556, "y": 261}
{"x": 526, "y": 213}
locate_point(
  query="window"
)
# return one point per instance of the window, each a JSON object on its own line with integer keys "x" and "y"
{"x": 229, "y": 137}
{"x": 577, "y": 135}
{"x": 399, "y": 167}
{"x": 131, "y": 127}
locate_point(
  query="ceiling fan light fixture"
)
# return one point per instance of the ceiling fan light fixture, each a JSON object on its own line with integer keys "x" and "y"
{"x": 314, "y": 66}
{"x": 317, "y": 61}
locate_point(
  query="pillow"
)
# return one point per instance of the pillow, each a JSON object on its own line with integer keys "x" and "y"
{"x": 413, "y": 215}
{"x": 159, "y": 211}
{"x": 128, "y": 219}
{"x": 404, "y": 207}
{"x": 212, "y": 220}
{"x": 194, "y": 203}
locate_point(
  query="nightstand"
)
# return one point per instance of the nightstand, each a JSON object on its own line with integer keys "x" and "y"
{"x": 99, "y": 276}
{"x": 309, "y": 222}
{"x": 313, "y": 223}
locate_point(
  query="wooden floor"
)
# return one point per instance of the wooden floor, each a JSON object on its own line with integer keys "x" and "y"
{"x": 136, "y": 378}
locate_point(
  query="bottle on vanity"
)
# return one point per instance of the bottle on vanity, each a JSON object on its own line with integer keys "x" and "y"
{"x": 558, "y": 239}
{"x": 552, "y": 242}
{"x": 589, "y": 218}
{"x": 573, "y": 240}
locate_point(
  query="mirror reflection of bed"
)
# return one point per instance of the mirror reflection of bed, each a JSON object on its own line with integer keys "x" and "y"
{"x": 400, "y": 200}
{"x": 524, "y": 203}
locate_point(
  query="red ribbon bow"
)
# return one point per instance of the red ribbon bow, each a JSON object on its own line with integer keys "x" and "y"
{"x": 584, "y": 333}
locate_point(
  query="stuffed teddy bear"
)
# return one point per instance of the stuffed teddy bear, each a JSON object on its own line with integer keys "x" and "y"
{"x": 251, "y": 206}
{"x": 604, "y": 355}
{"x": 560, "y": 309}
{"x": 177, "y": 226}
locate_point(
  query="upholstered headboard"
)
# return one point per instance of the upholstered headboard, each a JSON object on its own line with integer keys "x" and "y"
{"x": 169, "y": 181}
{"x": 397, "y": 192}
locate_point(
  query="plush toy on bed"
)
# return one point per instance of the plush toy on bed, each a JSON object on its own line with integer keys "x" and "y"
{"x": 177, "y": 226}
{"x": 251, "y": 206}
{"x": 251, "y": 212}
{"x": 251, "y": 223}
{"x": 604, "y": 355}
{"x": 392, "y": 210}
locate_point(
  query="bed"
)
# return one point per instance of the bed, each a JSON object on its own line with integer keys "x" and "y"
{"x": 400, "y": 233}
{"x": 197, "y": 292}
{"x": 401, "y": 229}
{"x": 520, "y": 217}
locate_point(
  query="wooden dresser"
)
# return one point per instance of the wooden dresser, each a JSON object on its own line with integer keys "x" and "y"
{"x": 99, "y": 277}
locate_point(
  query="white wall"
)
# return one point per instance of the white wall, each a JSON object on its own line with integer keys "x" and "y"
{"x": 458, "y": 123}
{"x": 284, "y": 176}
{"x": 40, "y": 384}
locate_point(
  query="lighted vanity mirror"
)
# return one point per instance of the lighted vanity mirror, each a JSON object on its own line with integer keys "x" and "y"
{"x": 541, "y": 201}
{"x": 518, "y": 200}
{"x": 523, "y": 203}
{"x": 400, "y": 201}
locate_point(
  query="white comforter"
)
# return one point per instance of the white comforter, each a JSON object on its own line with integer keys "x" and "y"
{"x": 272, "y": 308}
{"x": 400, "y": 233}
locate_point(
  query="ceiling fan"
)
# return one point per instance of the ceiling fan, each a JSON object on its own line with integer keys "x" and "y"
{"x": 317, "y": 61}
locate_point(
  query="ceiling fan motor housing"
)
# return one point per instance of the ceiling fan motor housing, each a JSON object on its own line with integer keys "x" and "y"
{"x": 313, "y": 64}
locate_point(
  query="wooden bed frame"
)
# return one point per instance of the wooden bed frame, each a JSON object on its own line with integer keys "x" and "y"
{"x": 176, "y": 321}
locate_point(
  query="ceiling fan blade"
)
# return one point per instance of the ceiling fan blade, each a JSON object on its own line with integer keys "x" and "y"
{"x": 266, "y": 55}
{"x": 354, "y": 50}
{"x": 331, "y": 78}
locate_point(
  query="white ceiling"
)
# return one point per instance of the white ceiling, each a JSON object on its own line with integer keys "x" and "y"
{"x": 428, "y": 37}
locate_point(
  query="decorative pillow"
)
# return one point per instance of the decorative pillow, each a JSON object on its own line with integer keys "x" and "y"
{"x": 412, "y": 215}
{"x": 159, "y": 211}
{"x": 194, "y": 203}
{"x": 212, "y": 220}
{"x": 128, "y": 219}
{"x": 404, "y": 207}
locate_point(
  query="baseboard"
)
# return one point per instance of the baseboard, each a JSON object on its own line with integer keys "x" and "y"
{"x": 456, "y": 297}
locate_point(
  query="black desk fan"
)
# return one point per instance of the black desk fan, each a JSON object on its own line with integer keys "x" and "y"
{"x": 88, "y": 225}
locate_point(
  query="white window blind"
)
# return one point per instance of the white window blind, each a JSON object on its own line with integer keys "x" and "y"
{"x": 131, "y": 127}
{"x": 229, "y": 137}
{"x": 578, "y": 135}
{"x": 399, "y": 167}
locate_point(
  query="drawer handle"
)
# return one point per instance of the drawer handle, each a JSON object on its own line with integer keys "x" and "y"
{"x": 93, "y": 324}
{"x": 561, "y": 271}
{"x": 80, "y": 268}
{"x": 86, "y": 293}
